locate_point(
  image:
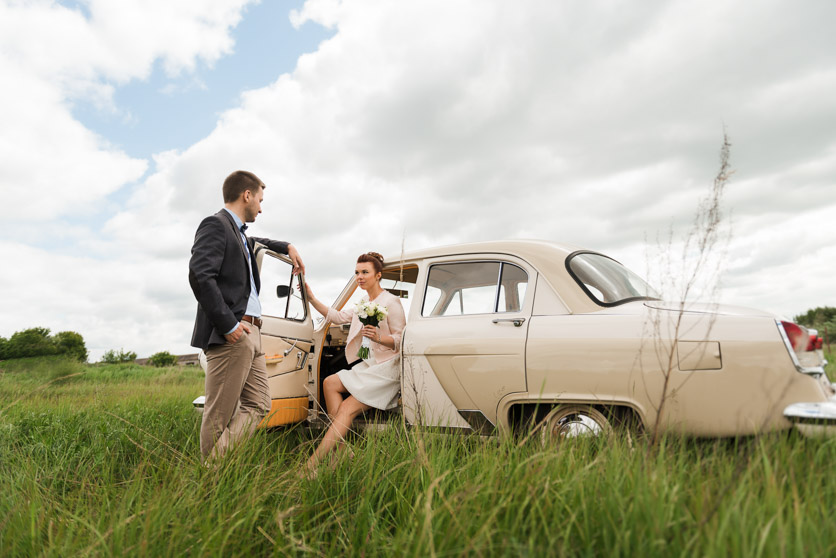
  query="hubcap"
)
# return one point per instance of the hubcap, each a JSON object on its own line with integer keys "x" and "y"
{"x": 576, "y": 425}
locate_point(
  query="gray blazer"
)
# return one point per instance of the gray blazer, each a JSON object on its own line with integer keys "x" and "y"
{"x": 219, "y": 277}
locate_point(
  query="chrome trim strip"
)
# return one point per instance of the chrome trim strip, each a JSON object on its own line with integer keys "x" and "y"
{"x": 812, "y": 370}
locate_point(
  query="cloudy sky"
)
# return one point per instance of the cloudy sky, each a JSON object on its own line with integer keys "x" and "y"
{"x": 596, "y": 123}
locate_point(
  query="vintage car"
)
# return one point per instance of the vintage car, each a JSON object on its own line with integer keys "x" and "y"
{"x": 502, "y": 336}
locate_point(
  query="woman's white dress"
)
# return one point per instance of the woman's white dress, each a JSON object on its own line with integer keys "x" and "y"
{"x": 377, "y": 384}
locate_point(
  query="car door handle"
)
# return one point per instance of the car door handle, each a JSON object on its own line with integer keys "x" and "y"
{"x": 516, "y": 321}
{"x": 287, "y": 351}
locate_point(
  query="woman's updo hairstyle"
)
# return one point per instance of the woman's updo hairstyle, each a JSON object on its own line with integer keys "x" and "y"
{"x": 373, "y": 258}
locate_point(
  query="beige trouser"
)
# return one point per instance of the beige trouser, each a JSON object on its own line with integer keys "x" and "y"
{"x": 237, "y": 393}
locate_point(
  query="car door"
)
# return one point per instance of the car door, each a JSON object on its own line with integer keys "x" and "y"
{"x": 472, "y": 330}
{"x": 286, "y": 338}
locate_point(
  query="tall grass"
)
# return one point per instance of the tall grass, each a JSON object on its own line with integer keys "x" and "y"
{"x": 106, "y": 462}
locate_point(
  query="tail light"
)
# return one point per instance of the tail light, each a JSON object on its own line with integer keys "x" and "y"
{"x": 815, "y": 342}
{"x": 802, "y": 344}
{"x": 796, "y": 336}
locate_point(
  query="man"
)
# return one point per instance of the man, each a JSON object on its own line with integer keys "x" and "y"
{"x": 225, "y": 280}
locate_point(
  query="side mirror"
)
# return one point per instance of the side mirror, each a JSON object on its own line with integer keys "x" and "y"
{"x": 282, "y": 291}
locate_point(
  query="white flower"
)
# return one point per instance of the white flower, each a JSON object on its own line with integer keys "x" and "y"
{"x": 366, "y": 309}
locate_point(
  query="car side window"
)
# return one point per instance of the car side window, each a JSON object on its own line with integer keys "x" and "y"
{"x": 512, "y": 287}
{"x": 458, "y": 289}
{"x": 279, "y": 296}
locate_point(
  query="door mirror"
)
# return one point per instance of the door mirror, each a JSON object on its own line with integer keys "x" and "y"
{"x": 283, "y": 291}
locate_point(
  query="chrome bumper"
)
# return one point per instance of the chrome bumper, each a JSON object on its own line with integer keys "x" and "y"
{"x": 813, "y": 419}
{"x": 199, "y": 403}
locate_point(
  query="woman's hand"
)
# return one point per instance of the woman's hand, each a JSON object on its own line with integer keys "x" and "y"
{"x": 307, "y": 290}
{"x": 370, "y": 331}
{"x": 373, "y": 333}
{"x": 320, "y": 307}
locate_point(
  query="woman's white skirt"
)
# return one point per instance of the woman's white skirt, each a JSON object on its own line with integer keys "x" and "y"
{"x": 376, "y": 385}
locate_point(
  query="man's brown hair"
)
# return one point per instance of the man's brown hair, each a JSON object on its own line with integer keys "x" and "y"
{"x": 239, "y": 181}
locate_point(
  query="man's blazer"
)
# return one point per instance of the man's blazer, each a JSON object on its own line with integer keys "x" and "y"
{"x": 219, "y": 277}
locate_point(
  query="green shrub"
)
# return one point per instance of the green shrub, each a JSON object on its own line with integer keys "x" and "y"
{"x": 114, "y": 357}
{"x": 30, "y": 342}
{"x": 37, "y": 342}
{"x": 71, "y": 344}
{"x": 163, "y": 358}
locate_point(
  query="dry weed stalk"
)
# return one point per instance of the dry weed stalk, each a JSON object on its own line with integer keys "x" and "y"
{"x": 696, "y": 276}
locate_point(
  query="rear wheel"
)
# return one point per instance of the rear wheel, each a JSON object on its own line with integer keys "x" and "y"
{"x": 574, "y": 421}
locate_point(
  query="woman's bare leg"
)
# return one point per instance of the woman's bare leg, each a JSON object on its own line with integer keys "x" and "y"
{"x": 334, "y": 390}
{"x": 347, "y": 412}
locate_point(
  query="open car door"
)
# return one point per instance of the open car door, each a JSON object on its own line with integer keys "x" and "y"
{"x": 286, "y": 337}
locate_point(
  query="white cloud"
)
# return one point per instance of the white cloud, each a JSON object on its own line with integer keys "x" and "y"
{"x": 53, "y": 55}
{"x": 44, "y": 150}
{"x": 594, "y": 123}
{"x": 55, "y": 172}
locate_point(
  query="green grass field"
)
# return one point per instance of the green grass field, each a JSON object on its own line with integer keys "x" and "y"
{"x": 104, "y": 460}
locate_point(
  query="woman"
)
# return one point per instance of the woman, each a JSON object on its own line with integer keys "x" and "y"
{"x": 375, "y": 382}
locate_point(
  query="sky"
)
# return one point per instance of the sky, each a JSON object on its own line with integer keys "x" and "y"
{"x": 377, "y": 122}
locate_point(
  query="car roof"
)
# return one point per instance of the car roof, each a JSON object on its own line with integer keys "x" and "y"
{"x": 548, "y": 258}
{"x": 540, "y": 248}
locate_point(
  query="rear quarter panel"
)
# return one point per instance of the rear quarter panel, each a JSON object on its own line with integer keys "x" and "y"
{"x": 609, "y": 358}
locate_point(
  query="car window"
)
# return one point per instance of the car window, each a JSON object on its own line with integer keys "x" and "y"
{"x": 606, "y": 281}
{"x": 275, "y": 275}
{"x": 512, "y": 287}
{"x": 458, "y": 289}
{"x": 471, "y": 300}
{"x": 432, "y": 295}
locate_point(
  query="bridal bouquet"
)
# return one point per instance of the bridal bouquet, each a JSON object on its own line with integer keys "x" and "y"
{"x": 370, "y": 313}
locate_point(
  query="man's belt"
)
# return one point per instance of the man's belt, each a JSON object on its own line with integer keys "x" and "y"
{"x": 253, "y": 320}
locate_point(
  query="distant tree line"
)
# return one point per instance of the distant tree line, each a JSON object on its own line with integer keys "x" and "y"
{"x": 822, "y": 318}
{"x": 160, "y": 359}
{"x": 37, "y": 341}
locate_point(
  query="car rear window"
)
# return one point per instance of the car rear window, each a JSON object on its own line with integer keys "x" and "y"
{"x": 606, "y": 281}
{"x": 474, "y": 287}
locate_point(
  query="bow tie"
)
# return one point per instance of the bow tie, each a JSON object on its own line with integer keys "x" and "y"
{"x": 243, "y": 228}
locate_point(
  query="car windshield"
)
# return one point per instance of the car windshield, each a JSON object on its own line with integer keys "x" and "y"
{"x": 606, "y": 281}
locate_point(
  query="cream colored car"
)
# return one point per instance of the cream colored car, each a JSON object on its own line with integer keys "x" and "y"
{"x": 504, "y": 335}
